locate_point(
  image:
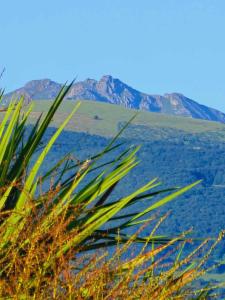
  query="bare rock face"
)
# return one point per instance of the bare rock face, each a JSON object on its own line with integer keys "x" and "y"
{"x": 17, "y": 96}
{"x": 42, "y": 89}
{"x": 37, "y": 90}
{"x": 25, "y": 94}
{"x": 112, "y": 90}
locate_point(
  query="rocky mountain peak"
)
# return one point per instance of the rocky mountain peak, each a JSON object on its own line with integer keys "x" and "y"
{"x": 173, "y": 95}
{"x": 113, "y": 90}
{"x": 43, "y": 82}
{"x": 107, "y": 78}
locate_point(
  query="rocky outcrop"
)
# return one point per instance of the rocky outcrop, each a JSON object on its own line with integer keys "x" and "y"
{"x": 112, "y": 90}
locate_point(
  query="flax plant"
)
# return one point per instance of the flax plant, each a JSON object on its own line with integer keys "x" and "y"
{"x": 46, "y": 236}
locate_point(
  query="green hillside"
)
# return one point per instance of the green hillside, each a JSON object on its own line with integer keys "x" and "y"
{"x": 177, "y": 150}
{"x": 104, "y": 119}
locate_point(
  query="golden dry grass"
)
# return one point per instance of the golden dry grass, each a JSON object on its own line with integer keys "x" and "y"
{"x": 32, "y": 270}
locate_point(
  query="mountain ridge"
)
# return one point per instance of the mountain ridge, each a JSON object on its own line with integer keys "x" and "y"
{"x": 114, "y": 91}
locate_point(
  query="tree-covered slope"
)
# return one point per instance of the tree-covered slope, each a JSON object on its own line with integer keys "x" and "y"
{"x": 178, "y": 150}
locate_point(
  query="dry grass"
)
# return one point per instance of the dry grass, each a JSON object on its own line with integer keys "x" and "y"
{"x": 31, "y": 269}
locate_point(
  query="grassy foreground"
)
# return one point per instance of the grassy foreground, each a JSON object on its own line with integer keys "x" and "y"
{"x": 54, "y": 244}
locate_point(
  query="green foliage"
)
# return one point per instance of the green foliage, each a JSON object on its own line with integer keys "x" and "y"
{"x": 176, "y": 161}
{"x": 21, "y": 186}
{"x": 45, "y": 229}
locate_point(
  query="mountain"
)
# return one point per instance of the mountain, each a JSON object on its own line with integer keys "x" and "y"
{"x": 114, "y": 91}
{"x": 36, "y": 89}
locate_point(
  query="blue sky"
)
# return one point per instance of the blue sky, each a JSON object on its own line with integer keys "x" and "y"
{"x": 155, "y": 46}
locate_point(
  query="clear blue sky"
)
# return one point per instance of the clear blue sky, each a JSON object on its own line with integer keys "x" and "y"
{"x": 155, "y": 46}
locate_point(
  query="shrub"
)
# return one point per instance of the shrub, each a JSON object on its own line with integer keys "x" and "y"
{"x": 47, "y": 238}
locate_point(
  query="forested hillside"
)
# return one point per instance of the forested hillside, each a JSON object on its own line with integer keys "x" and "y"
{"x": 176, "y": 150}
{"x": 176, "y": 162}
